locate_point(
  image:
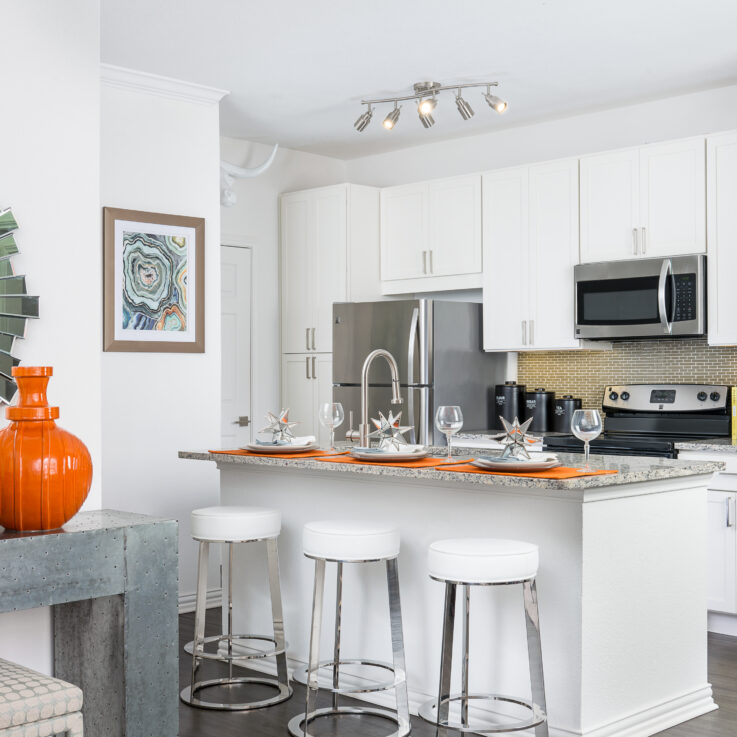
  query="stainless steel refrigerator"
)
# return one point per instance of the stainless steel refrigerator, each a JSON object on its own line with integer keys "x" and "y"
{"x": 437, "y": 345}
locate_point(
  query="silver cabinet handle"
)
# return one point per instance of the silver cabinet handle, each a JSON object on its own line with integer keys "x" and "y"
{"x": 307, "y": 339}
{"x": 431, "y": 269}
{"x": 532, "y": 332}
{"x": 307, "y": 367}
{"x": 524, "y": 332}
{"x": 730, "y": 511}
{"x": 244, "y": 421}
{"x": 634, "y": 241}
{"x": 314, "y": 368}
{"x": 644, "y": 241}
{"x": 313, "y": 339}
{"x": 424, "y": 262}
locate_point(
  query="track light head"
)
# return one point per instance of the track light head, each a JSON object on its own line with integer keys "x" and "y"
{"x": 364, "y": 119}
{"x": 496, "y": 103}
{"x": 427, "y": 120}
{"x": 427, "y": 105}
{"x": 391, "y": 120}
{"x": 464, "y": 108}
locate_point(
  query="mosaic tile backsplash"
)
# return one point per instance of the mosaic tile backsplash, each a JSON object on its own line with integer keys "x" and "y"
{"x": 585, "y": 373}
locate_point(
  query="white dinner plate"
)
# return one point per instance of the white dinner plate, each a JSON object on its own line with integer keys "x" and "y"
{"x": 496, "y": 463}
{"x": 300, "y": 446}
{"x": 409, "y": 453}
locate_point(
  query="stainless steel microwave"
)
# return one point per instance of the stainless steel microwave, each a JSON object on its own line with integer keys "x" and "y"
{"x": 642, "y": 298}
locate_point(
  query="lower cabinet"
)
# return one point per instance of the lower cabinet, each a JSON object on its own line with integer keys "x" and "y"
{"x": 307, "y": 382}
{"x": 722, "y": 552}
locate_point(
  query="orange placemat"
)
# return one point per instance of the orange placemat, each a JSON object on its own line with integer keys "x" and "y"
{"x": 305, "y": 454}
{"x": 419, "y": 463}
{"x": 561, "y": 472}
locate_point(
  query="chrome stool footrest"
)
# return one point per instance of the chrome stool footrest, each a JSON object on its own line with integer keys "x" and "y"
{"x": 189, "y": 694}
{"x": 429, "y": 712}
{"x": 298, "y": 725}
{"x": 237, "y": 640}
{"x": 300, "y": 675}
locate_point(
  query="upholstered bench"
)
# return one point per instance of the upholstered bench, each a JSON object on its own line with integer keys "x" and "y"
{"x": 35, "y": 705}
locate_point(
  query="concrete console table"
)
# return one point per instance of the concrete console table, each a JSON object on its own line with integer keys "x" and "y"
{"x": 111, "y": 578}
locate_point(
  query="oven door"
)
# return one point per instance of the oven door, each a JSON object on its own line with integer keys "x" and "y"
{"x": 646, "y": 298}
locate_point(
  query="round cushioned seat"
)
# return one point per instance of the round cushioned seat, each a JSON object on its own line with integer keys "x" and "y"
{"x": 482, "y": 560}
{"x": 350, "y": 540}
{"x": 235, "y": 524}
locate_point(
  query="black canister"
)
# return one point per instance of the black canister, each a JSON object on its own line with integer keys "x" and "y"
{"x": 565, "y": 406}
{"x": 509, "y": 402}
{"x": 539, "y": 406}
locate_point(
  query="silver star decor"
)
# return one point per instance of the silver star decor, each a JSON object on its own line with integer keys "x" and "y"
{"x": 515, "y": 438}
{"x": 389, "y": 431}
{"x": 279, "y": 426}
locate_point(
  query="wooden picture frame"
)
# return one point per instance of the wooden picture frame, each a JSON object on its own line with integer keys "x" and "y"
{"x": 153, "y": 283}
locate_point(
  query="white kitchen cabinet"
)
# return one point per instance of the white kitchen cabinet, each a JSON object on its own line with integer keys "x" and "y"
{"x": 644, "y": 202}
{"x": 306, "y": 383}
{"x": 431, "y": 235}
{"x": 722, "y": 552}
{"x": 721, "y": 263}
{"x": 530, "y": 219}
{"x": 329, "y": 253}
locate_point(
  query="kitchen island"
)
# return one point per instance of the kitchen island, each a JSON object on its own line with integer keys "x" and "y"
{"x": 621, "y": 584}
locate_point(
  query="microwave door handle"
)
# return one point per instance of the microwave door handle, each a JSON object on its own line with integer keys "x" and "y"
{"x": 411, "y": 369}
{"x": 666, "y": 271}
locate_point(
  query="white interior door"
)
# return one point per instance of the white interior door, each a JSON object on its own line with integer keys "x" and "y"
{"x": 235, "y": 306}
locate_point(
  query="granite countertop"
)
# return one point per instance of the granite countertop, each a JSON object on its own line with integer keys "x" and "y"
{"x": 631, "y": 469}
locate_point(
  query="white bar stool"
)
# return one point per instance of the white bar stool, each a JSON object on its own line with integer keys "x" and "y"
{"x": 485, "y": 562}
{"x": 352, "y": 542}
{"x": 231, "y": 525}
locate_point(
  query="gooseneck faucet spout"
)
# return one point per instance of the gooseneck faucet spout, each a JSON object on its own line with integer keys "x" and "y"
{"x": 396, "y": 396}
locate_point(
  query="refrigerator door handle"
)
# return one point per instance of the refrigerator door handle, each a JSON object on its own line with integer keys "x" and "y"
{"x": 411, "y": 369}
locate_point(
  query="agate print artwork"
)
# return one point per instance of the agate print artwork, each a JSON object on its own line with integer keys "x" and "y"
{"x": 154, "y": 282}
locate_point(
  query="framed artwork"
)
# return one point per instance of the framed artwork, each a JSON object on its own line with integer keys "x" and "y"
{"x": 154, "y": 283}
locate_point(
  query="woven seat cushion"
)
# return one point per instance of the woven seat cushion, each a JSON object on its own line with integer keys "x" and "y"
{"x": 27, "y": 697}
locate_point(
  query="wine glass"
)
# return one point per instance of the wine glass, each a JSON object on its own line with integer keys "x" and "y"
{"x": 331, "y": 416}
{"x": 586, "y": 425}
{"x": 449, "y": 420}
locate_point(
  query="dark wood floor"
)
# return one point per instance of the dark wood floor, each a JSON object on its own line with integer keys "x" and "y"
{"x": 272, "y": 722}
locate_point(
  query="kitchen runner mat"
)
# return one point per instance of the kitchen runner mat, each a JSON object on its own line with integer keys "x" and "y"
{"x": 561, "y": 472}
{"x": 305, "y": 454}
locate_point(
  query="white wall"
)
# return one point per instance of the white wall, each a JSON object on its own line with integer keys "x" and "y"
{"x": 49, "y": 129}
{"x": 161, "y": 154}
{"x": 674, "y": 117}
{"x": 254, "y": 221}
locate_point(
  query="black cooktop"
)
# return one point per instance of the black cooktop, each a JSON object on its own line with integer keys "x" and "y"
{"x": 618, "y": 444}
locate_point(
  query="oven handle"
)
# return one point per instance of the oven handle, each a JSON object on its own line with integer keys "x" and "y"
{"x": 666, "y": 270}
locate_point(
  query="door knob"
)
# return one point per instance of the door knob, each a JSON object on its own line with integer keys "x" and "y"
{"x": 242, "y": 421}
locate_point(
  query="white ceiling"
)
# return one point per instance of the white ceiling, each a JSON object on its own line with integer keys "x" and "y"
{"x": 297, "y": 69}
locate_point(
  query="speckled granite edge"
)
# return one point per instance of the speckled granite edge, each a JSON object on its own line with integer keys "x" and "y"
{"x": 630, "y": 470}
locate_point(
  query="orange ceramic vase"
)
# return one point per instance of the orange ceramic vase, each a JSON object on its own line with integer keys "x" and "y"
{"x": 45, "y": 472}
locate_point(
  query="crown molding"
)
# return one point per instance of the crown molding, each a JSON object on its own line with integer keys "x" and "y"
{"x": 155, "y": 84}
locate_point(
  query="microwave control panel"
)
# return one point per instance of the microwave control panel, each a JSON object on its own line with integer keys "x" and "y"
{"x": 685, "y": 285}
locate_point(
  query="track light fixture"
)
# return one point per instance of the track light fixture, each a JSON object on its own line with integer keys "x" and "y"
{"x": 425, "y": 93}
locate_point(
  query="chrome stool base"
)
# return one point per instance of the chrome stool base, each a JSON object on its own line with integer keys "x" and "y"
{"x": 236, "y": 640}
{"x": 188, "y": 695}
{"x": 300, "y": 676}
{"x": 429, "y": 712}
{"x": 297, "y": 729}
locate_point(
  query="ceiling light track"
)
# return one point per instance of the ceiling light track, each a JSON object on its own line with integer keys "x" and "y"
{"x": 425, "y": 93}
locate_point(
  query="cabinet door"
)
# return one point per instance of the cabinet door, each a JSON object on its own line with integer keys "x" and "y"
{"x": 721, "y": 202}
{"x": 721, "y": 552}
{"x": 506, "y": 267}
{"x": 329, "y": 256}
{"x": 609, "y": 206}
{"x": 553, "y": 252}
{"x": 296, "y": 270}
{"x": 298, "y": 392}
{"x": 323, "y": 381}
{"x": 404, "y": 232}
{"x": 673, "y": 198}
{"x": 454, "y": 227}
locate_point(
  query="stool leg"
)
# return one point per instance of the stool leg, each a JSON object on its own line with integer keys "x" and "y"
{"x": 277, "y": 615}
{"x": 200, "y": 609}
{"x": 466, "y": 623}
{"x": 395, "y": 616}
{"x": 534, "y": 650}
{"x": 338, "y": 615}
{"x": 446, "y": 657}
{"x": 230, "y": 611}
{"x": 314, "y": 657}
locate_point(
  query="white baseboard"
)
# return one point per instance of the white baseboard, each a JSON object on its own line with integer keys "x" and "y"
{"x": 722, "y": 624}
{"x": 187, "y": 601}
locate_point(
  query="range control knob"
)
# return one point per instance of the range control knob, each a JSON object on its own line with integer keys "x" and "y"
{"x": 701, "y": 396}
{"x": 715, "y": 396}
{"x": 625, "y": 396}
{"x": 613, "y": 396}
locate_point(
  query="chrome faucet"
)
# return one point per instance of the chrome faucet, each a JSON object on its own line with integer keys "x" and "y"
{"x": 396, "y": 396}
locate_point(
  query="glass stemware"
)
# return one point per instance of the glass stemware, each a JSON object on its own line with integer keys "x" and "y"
{"x": 331, "y": 416}
{"x": 449, "y": 420}
{"x": 586, "y": 425}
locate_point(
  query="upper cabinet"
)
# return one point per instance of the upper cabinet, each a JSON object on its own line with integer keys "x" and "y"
{"x": 644, "y": 202}
{"x": 530, "y": 249}
{"x": 329, "y": 253}
{"x": 431, "y": 235}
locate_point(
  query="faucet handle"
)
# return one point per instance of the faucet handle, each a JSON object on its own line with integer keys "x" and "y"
{"x": 398, "y": 400}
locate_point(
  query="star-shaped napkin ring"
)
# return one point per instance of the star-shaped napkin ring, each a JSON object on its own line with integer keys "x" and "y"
{"x": 279, "y": 426}
{"x": 515, "y": 438}
{"x": 389, "y": 431}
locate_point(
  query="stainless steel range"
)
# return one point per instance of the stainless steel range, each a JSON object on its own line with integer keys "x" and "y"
{"x": 649, "y": 419}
